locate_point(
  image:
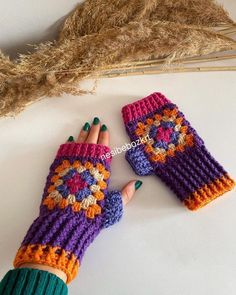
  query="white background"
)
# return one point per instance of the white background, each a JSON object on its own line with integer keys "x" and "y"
{"x": 159, "y": 247}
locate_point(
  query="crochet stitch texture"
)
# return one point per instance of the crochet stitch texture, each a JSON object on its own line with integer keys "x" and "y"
{"x": 75, "y": 206}
{"x": 174, "y": 151}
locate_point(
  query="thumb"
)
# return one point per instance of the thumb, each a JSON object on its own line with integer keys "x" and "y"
{"x": 129, "y": 189}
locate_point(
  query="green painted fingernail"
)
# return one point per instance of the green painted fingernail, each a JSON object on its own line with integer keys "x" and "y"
{"x": 137, "y": 184}
{"x": 86, "y": 126}
{"x": 70, "y": 139}
{"x": 96, "y": 121}
{"x": 104, "y": 127}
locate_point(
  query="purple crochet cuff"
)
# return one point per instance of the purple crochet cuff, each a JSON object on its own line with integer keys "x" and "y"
{"x": 173, "y": 150}
{"x": 76, "y": 205}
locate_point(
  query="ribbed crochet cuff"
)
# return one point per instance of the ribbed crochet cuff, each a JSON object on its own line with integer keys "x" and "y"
{"x": 196, "y": 177}
{"x": 84, "y": 150}
{"x": 55, "y": 239}
{"x": 143, "y": 107}
{"x": 58, "y": 239}
{"x": 32, "y": 282}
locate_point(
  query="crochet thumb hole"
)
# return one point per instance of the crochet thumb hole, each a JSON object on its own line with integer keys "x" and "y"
{"x": 139, "y": 161}
{"x": 113, "y": 208}
{"x": 116, "y": 200}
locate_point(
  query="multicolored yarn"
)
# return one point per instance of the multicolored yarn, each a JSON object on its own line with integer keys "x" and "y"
{"x": 168, "y": 134}
{"x": 174, "y": 151}
{"x": 76, "y": 205}
{"x": 79, "y": 186}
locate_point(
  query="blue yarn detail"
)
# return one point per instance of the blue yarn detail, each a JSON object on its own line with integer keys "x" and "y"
{"x": 167, "y": 124}
{"x": 69, "y": 174}
{"x": 63, "y": 190}
{"x": 138, "y": 161}
{"x": 86, "y": 176}
{"x": 161, "y": 144}
{"x": 174, "y": 138}
{"x": 113, "y": 208}
{"x": 65, "y": 193}
{"x": 82, "y": 194}
{"x": 153, "y": 131}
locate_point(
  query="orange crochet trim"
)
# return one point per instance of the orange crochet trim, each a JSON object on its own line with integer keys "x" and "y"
{"x": 209, "y": 192}
{"x": 51, "y": 256}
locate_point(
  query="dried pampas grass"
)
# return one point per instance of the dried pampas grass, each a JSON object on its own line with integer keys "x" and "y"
{"x": 192, "y": 12}
{"x": 93, "y": 16}
{"x": 100, "y": 34}
{"x": 6, "y": 66}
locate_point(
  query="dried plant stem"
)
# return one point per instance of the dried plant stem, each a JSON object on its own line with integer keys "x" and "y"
{"x": 162, "y": 71}
{"x": 153, "y": 62}
{"x": 230, "y": 30}
{"x": 227, "y": 28}
{"x": 145, "y": 64}
{"x": 148, "y": 63}
{"x": 233, "y": 32}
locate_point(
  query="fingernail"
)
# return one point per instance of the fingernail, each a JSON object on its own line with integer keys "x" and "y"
{"x": 96, "y": 121}
{"x": 70, "y": 139}
{"x": 137, "y": 184}
{"x": 86, "y": 126}
{"x": 104, "y": 127}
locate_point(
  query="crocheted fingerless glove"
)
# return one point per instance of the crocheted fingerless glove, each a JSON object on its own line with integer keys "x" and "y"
{"x": 171, "y": 149}
{"x": 76, "y": 205}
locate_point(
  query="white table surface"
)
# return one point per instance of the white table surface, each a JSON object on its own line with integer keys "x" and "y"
{"x": 159, "y": 247}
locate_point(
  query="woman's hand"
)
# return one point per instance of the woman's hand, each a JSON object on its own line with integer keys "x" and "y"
{"x": 99, "y": 134}
{"x": 95, "y": 134}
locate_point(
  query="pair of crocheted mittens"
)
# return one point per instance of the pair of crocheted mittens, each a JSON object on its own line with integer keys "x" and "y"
{"x": 76, "y": 203}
